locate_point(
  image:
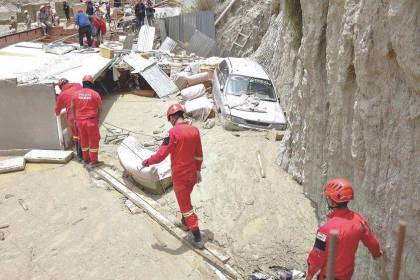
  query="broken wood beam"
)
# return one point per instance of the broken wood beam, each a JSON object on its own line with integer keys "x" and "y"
{"x": 260, "y": 163}
{"x": 225, "y": 11}
{"x": 141, "y": 202}
{"x": 400, "y": 247}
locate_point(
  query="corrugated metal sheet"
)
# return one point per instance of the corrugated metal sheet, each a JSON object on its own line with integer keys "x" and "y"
{"x": 162, "y": 27}
{"x": 200, "y": 44}
{"x": 182, "y": 28}
{"x": 159, "y": 81}
{"x": 168, "y": 45}
{"x": 146, "y": 38}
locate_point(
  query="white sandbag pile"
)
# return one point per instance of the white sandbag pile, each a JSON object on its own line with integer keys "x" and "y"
{"x": 199, "y": 108}
{"x": 197, "y": 78}
{"x": 156, "y": 178}
{"x": 12, "y": 164}
{"x": 193, "y": 92}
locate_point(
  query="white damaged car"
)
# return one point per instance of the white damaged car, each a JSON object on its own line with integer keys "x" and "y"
{"x": 245, "y": 96}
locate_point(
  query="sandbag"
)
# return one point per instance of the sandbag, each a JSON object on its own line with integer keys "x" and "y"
{"x": 155, "y": 179}
{"x": 193, "y": 92}
{"x": 199, "y": 108}
{"x": 180, "y": 79}
{"x": 197, "y": 78}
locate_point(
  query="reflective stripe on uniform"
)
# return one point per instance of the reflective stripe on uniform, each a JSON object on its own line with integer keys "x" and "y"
{"x": 93, "y": 150}
{"x": 198, "y": 158}
{"x": 75, "y": 137}
{"x": 85, "y": 149}
{"x": 189, "y": 213}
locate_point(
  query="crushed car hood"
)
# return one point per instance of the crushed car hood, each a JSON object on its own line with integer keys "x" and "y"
{"x": 251, "y": 108}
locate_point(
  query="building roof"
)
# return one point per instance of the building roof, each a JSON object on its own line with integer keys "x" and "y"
{"x": 28, "y": 63}
{"x": 247, "y": 67}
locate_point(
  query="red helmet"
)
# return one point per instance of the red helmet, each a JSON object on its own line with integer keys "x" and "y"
{"x": 88, "y": 78}
{"x": 338, "y": 190}
{"x": 62, "y": 82}
{"x": 175, "y": 108}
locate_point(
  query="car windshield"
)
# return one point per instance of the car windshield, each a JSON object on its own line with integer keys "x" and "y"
{"x": 260, "y": 88}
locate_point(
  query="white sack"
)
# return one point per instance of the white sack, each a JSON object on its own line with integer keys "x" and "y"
{"x": 193, "y": 92}
{"x": 156, "y": 178}
{"x": 49, "y": 156}
{"x": 199, "y": 108}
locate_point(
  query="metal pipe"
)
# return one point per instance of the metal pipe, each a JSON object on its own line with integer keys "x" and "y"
{"x": 331, "y": 255}
{"x": 398, "y": 254}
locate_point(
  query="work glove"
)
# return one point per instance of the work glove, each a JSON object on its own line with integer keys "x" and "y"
{"x": 145, "y": 163}
{"x": 199, "y": 178}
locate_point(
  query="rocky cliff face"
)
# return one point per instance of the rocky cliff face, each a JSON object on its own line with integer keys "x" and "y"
{"x": 348, "y": 75}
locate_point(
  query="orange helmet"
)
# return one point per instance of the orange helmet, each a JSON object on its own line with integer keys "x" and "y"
{"x": 338, "y": 190}
{"x": 62, "y": 82}
{"x": 88, "y": 78}
{"x": 173, "y": 109}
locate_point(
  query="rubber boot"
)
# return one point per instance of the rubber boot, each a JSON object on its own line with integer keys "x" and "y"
{"x": 196, "y": 239}
{"x": 79, "y": 152}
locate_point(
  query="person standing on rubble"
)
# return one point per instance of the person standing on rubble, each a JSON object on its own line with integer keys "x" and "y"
{"x": 352, "y": 228}
{"x": 140, "y": 12}
{"x": 98, "y": 28}
{"x": 28, "y": 20}
{"x": 86, "y": 108}
{"x": 184, "y": 146}
{"x": 43, "y": 19}
{"x": 13, "y": 24}
{"x": 89, "y": 8}
{"x": 66, "y": 8}
{"x": 64, "y": 100}
{"x": 82, "y": 20}
{"x": 150, "y": 12}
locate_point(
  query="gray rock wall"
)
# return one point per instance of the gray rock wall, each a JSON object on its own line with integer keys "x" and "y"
{"x": 351, "y": 90}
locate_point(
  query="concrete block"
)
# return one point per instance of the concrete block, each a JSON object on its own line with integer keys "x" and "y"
{"x": 11, "y": 165}
{"x": 49, "y": 156}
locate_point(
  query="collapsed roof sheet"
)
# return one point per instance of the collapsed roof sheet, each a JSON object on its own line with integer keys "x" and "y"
{"x": 200, "y": 44}
{"x": 159, "y": 81}
{"x": 28, "y": 63}
{"x": 168, "y": 45}
{"x": 146, "y": 38}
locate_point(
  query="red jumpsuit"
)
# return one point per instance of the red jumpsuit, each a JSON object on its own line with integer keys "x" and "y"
{"x": 184, "y": 145}
{"x": 352, "y": 228}
{"x": 64, "y": 101}
{"x": 87, "y": 104}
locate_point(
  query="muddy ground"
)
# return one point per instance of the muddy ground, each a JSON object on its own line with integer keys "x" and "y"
{"x": 78, "y": 229}
{"x": 257, "y": 221}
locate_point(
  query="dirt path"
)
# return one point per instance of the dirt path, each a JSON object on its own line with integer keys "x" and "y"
{"x": 78, "y": 229}
{"x": 259, "y": 222}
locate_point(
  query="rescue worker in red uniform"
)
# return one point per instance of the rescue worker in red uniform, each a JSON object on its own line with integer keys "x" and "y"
{"x": 352, "y": 228}
{"x": 64, "y": 101}
{"x": 184, "y": 146}
{"x": 86, "y": 105}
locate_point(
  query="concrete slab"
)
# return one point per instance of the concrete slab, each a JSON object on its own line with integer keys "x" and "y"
{"x": 49, "y": 156}
{"x": 11, "y": 165}
{"x": 27, "y": 117}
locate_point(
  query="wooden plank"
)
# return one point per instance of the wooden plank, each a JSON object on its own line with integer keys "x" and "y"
{"x": 225, "y": 12}
{"x": 166, "y": 223}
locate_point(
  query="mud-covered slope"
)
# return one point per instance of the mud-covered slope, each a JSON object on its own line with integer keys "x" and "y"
{"x": 348, "y": 74}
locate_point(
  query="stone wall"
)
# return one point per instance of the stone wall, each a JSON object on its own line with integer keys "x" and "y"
{"x": 349, "y": 79}
{"x": 348, "y": 76}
